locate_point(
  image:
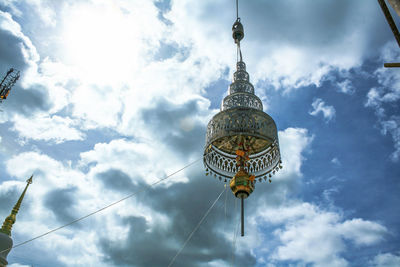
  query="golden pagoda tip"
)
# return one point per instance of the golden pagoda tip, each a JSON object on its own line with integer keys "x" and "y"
{"x": 29, "y": 181}
{"x": 10, "y": 220}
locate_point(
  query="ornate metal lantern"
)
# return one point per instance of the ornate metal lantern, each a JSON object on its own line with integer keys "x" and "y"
{"x": 242, "y": 140}
{"x": 7, "y": 83}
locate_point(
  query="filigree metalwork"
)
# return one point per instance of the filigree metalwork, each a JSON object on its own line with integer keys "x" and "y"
{"x": 262, "y": 165}
{"x": 241, "y": 75}
{"x": 241, "y": 100}
{"x": 242, "y": 118}
{"x": 241, "y": 87}
{"x": 241, "y": 121}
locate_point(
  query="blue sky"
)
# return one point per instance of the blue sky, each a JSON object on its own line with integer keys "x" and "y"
{"x": 115, "y": 94}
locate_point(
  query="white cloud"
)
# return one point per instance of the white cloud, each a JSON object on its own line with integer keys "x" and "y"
{"x": 392, "y": 125}
{"x": 362, "y": 232}
{"x": 319, "y": 106}
{"x": 45, "y": 12}
{"x": 272, "y": 53}
{"x": 47, "y": 128}
{"x": 304, "y": 232}
{"x": 42, "y": 82}
{"x": 118, "y": 154}
{"x": 293, "y": 142}
{"x": 346, "y": 87}
{"x": 373, "y": 97}
{"x": 10, "y": 4}
{"x": 387, "y": 94}
{"x": 43, "y": 167}
{"x": 385, "y": 260}
{"x": 103, "y": 74}
{"x": 336, "y": 161}
{"x": 217, "y": 263}
{"x": 77, "y": 243}
{"x": 28, "y": 49}
{"x": 116, "y": 47}
{"x": 110, "y": 67}
{"x": 18, "y": 265}
{"x": 135, "y": 159}
{"x": 310, "y": 234}
{"x": 388, "y": 79}
{"x": 150, "y": 165}
{"x": 97, "y": 107}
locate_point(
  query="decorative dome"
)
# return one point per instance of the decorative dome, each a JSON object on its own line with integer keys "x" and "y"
{"x": 242, "y": 116}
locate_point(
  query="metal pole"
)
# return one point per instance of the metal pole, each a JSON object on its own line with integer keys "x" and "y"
{"x": 391, "y": 65}
{"x": 396, "y": 5}
{"x": 390, "y": 20}
{"x": 237, "y": 9}
{"x": 242, "y": 215}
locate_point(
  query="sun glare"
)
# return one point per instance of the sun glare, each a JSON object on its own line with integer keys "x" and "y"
{"x": 100, "y": 42}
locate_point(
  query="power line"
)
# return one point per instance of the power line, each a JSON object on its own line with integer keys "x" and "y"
{"x": 103, "y": 208}
{"x": 108, "y": 206}
{"x": 195, "y": 229}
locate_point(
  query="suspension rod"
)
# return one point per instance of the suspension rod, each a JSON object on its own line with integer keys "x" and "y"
{"x": 242, "y": 215}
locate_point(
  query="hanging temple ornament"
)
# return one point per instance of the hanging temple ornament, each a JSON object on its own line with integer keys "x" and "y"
{"x": 242, "y": 140}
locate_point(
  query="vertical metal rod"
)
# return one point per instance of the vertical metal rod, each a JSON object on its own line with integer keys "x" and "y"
{"x": 242, "y": 216}
{"x": 237, "y": 9}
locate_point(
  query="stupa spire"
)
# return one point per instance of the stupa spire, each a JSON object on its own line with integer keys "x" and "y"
{"x": 10, "y": 220}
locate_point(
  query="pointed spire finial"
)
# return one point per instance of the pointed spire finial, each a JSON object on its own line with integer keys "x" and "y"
{"x": 29, "y": 181}
{"x": 10, "y": 220}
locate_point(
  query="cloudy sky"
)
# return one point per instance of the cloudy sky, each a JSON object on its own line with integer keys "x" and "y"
{"x": 115, "y": 95}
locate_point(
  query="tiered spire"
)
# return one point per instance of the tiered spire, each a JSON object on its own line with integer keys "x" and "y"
{"x": 10, "y": 220}
{"x": 241, "y": 91}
